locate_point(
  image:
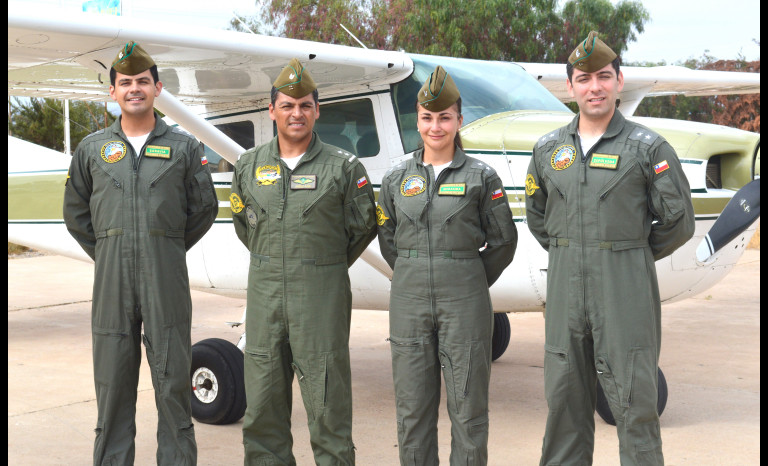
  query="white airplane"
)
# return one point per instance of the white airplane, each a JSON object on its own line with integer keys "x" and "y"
{"x": 217, "y": 84}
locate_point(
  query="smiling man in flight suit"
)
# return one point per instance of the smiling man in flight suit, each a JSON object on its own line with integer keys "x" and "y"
{"x": 139, "y": 195}
{"x": 306, "y": 212}
{"x": 607, "y": 198}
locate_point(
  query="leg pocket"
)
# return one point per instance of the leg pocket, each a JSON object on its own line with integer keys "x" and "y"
{"x": 557, "y": 369}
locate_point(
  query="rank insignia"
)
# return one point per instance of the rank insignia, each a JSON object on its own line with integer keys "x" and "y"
{"x": 660, "y": 167}
{"x": 267, "y": 174}
{"x": 452, "y": 189}
{"x": 413, "y": 185}
{"x": 160, "y": 152}
{"x": 563, "y": 157}
{"x": 380, "y": 217}
{"x": 235, "y": 203}
{"x": 604, "y": 161}
{"x": 362, "y": 182}
{"x": 530, "y": 185}
{"x": 497, "y": 194}
{"x": 113, "y": 151}
{"x": 303, "y": 181}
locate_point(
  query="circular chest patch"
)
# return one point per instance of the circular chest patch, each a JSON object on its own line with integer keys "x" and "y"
{"x": 252, "y": 217}
{"x": 113, "y": 151}
{"x": 530, "y": 185}
{"x": 413, "y": 185}
{"x": 235, "y": 203}
{"x": 267, "y": 174}
{"x": 563, "y": 157}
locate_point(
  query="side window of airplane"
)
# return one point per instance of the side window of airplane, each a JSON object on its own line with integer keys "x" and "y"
{"x": 349, "y": 125}
{"x": 242, "y": 132}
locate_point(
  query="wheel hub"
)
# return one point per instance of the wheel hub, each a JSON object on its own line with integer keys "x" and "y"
{"x": 204, "y": 385}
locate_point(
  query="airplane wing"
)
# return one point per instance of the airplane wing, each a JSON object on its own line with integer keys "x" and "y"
{"x": 68, "y": 55}
{"x": 640, "y": 82}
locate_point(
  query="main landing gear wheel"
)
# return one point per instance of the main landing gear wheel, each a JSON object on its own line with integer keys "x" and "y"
{"x": 218, "y": 385}
{"x": 605, "y": 411}
{"x": 501, "y": 334}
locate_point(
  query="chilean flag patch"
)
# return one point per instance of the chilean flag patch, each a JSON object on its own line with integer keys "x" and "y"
{"x": 204, "y": 160}
{"x": 658, "y": 168}
{"x": 362, "y": 182}
{"x": 496, "y": 194}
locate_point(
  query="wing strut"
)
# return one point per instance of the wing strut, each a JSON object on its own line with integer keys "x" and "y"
{"x": 195, "y": 124}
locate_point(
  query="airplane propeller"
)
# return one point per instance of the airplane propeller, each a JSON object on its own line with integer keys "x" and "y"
{"x": 739, "y": 213}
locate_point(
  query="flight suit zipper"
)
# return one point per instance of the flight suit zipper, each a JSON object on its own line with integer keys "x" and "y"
{"x": 583, "y": 174}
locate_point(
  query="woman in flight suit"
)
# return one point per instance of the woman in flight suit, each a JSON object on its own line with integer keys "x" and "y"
{"x": 435, "y": 212}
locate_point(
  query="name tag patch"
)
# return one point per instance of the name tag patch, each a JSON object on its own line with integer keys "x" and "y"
{"x": 452, "y": 189}
{"x": 303, "y": 181}
{"x": 161, "y": 152}
{"x": 604, "y": 161}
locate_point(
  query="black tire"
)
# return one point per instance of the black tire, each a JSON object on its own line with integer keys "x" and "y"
{"x": 605, "y": 411}
{"x": 218, "y": 385}
{"x": 501, "y": 334}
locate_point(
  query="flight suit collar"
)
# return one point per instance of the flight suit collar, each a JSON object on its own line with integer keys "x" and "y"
{"x": 161, "y": 127}
{"x": 459, "y": 157}
{"x": 313, "y": 149}
{"x": 614, "y": 127}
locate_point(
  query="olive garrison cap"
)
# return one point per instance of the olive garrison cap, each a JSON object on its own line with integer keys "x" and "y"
{"x": 439, "y": 91}
{"x": 591, "y": 55}
{"x": 132, "y": 60}
{"x": 294, "y": 80}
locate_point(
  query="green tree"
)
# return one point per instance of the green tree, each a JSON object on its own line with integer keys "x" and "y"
{"x": 41, "y": 121}
{"x": 520, "y": 30}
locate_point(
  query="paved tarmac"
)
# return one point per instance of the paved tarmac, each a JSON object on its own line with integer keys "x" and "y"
{"x": 710, "y": 356}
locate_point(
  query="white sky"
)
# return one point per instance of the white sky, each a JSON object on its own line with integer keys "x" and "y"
{"x": 678, "y": 29}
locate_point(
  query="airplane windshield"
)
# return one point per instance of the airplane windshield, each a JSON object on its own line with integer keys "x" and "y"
{"x": 487, "y": 87}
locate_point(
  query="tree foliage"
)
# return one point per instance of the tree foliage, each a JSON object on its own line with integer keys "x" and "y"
{"x": 737, "y": 111}
{"x": 519, "y": 30}
{"x": 41, "y": 121}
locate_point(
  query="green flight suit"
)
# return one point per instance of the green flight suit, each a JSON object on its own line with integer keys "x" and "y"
{"x": 136, "y": 218}
{"x": 604, "y": 217}
{"x": 430, "y": 233}
{"x": 304, "y": 228}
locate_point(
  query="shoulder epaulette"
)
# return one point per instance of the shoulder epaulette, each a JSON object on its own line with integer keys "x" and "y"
{"x": 548, "y": 137}
{"x": 643, "y": 135}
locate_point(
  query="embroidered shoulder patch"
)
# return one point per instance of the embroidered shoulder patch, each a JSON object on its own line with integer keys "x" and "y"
{"x": 530, "y": 185}
{"x": 380, "y": 217}
{"x": 497, "y": 194}
{"x": 235, "y": 203}
{"x": 660, "y": 167}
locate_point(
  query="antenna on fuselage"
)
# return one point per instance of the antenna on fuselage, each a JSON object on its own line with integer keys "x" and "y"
{"x": 242, "y": 22}
{"x": 353, "y": 36}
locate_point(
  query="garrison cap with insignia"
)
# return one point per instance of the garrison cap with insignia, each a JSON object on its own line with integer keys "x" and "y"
{"x": 132, "y": 60}
{"x": 591, "y": 55}
{"x": 439, "y": 91}
{"x": 294, "y": 80}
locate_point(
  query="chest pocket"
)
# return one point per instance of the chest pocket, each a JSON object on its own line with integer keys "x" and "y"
{"x": 107, "y": 202}
{"x": 622, "y": 202}
{"x": 459, "y": 220}
{"x": 167, "y": 194}
{"x": 322, "y": 221}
